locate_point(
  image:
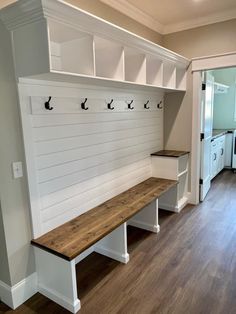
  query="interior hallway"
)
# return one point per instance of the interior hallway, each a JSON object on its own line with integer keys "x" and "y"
{"x": 189, "y": 267}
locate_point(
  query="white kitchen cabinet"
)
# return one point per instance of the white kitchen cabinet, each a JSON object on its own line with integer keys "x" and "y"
{"x": 221, "y": 150}
{"x": 217, "y": 155}
{"x": 228, "y": 150}
{"x": 214, "y": 160}
{"x": 172, "y": 165}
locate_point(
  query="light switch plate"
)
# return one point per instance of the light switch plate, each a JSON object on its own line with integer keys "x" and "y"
{"x": 17, "y": 169}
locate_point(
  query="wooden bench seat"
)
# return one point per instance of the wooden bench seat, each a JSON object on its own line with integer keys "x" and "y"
{"x": 102, "y": 229}
{"x": 72, "y": 238}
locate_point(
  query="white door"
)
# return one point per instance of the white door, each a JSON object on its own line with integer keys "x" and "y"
{"x": 206, "y": 134}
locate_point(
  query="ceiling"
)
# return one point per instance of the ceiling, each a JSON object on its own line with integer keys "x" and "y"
{"x": 170, "y": 16}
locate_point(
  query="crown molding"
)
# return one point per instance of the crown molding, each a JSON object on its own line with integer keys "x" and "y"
{"x": 25, "y": 12}
{"x": 130, "y": 10}
{"x": 202, "y": 21}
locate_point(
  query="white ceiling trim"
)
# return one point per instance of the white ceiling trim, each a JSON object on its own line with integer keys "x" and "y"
{"x": 130, "y": 10}
{"x": 201, "y": 21}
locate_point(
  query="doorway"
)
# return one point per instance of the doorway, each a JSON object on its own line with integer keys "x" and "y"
{"x": 199, "y": 66}
{"x": 218, "y": 125}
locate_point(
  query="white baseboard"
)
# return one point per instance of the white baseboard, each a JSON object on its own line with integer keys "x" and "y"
{"x": 6, "y": 294}
{"x": 19, "y": 293}
{"x": 123, "y": 258}
{"x": 144, "y": 225}
{"x": 176, "y": 209}
{"x": 182, "y": 203}
{"x": 190, "y": 199}
{"x": 168, "y": 207}
{"x": 73, "y": 307}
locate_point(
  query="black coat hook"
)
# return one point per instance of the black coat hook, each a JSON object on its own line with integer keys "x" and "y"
{"x": 159, "y": 106}
{"x": 145, "y": 105}
{"x": 47, "y": 104}
{"x": 129, "y": 105}
{"x": 83, "y": 104}
{"x": 109, "y": 105}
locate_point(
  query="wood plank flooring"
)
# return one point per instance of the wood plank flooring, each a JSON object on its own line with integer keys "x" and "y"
{"x": 188, "y": 268}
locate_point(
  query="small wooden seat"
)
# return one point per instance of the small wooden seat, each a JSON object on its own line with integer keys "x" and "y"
{"x": 72, "y": 238}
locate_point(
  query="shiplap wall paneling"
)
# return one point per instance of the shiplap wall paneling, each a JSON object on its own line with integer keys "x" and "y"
{"x": 70, "y": 50}
{"x": 135, "y": 66}
{"x": 154, "y": 71}
{"x": 169, "y": 75}
{"x": 82, "y": 158}
{"x": 109, "y": 59}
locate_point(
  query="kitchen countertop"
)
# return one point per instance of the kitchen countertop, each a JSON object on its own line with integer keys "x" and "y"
{"x": 217, "y": 132}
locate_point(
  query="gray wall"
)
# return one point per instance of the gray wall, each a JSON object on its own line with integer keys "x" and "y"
{"x": 4, "y": 268}
{"x": 13, "y": 193}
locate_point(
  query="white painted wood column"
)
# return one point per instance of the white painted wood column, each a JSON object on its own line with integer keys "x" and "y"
{"x": 57, "y": 279}
{"x": 114, "y": 245}
{"x": 147, "y": 218}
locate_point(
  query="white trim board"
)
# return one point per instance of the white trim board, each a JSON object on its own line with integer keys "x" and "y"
{"x": 146, "y": 19}
{"x": 214, "y": 62}
{"x": 16, "y": 295}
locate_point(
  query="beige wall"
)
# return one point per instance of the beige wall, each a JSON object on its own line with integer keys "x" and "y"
{"x": 107, "y": 13}
{"x": 203, "y": 41}
{"x": 13, "y": 193}
{"x": 4, "y": 3}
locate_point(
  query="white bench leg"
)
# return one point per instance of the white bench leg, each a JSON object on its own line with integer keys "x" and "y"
{"x": 114, "y": 245}
{"x": 57, "y": 279}
{"x": 147, "y": 218}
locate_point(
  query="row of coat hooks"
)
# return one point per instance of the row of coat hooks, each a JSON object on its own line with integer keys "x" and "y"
{"x": 109, "y": 104}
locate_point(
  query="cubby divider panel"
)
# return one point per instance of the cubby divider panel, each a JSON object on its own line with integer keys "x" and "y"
{"x": 71, "y": 50}
{"x": 181, "y": 78}
{"x": 154, "y": 71}
{"x": 135, "y": 66}
{"x": 109, "y": 59}
{"x": 169, "y": 75}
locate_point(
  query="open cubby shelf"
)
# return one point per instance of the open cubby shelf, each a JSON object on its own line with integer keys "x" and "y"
{"x": 81, "y": 45}
{"x": 80, "y": 53}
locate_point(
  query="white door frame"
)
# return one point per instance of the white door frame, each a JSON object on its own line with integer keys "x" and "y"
{"x": 199, "y": 65}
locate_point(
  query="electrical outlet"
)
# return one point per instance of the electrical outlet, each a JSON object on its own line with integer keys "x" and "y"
{"x": 17, "y": 169}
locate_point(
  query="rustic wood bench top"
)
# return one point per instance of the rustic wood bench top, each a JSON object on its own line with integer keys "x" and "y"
{"x": 75, "y": 236}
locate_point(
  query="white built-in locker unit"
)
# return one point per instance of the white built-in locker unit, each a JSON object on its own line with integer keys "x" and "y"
{"x": 91, "y": 101}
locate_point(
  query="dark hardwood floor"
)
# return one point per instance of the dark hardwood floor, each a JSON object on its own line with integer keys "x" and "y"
{"x": 188, "y": 268}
